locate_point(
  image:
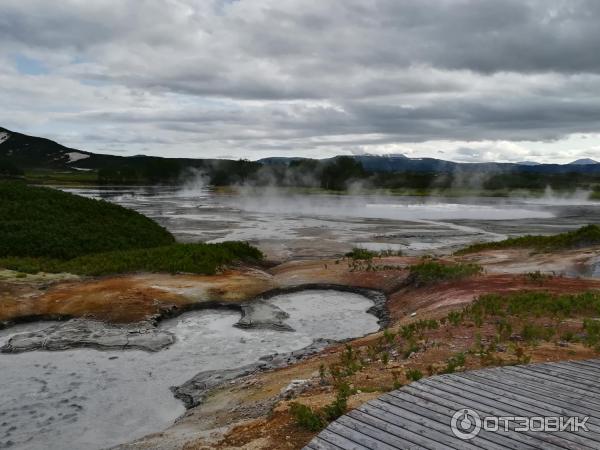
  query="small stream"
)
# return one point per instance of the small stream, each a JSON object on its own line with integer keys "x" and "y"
{"x": 89, "y": 399}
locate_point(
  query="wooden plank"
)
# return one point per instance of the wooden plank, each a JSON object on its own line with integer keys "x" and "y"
{"x": 318, "y": 444}
{"x": 387, "y": 427}
{"x": 517, "y": 407}
{"x": 591, "y": 439}
{"x": 525, "y": 397}
{"x": 587, "y": 364}
{"x": 351, "y": 432}
{"x": 575, "y": 371}
{"x": 592, "y": 363}
{"x": 550, "y": 383}
{"x": 443, "y": 402}
{"x": 376, "y": 433}
{"x": 418, "y": 415}
{"x": 570, "y": 378}
{"x": 489, "y": 407}
{"x": 422, "y": 423}
{"x": 549, "y": 380}
{"x": 516, "y": 441}
{"x": 484, "y": 439}
{"x": 340, "y": 441}
{"x": 406, "y": 429}
{"x": 575, "y": 401}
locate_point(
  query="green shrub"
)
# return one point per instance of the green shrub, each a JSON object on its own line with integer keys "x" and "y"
{"x": 455, "y": 318}
{"x": 339, "y": 406}
{"x": 569, "y": 336}
{"x": 533, "y": 333}
{"x": 504, "y": 328}
{"x": 411, "y": 348}
{"x": 40, "y": 222}
{"x": 389, "y": 336}
{"x": 591, "y": 328}
{"x": 350, "y": 361}
{"x": 361, "y": 253}
{"x": 414, "y": 374}
{"x": 537, "y": 304}
{"x": 190, "y": 258}
{"x": 433, "y": 272}
{"x": 306, "y": 418}
{"x": 312, "y": 420}
{"x": 454, "y": 362}
{"x": 583, "y": 237}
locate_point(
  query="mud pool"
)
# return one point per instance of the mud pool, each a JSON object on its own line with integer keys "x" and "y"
{"x": 287, "y": 226}
{"x": 92, "y": 399}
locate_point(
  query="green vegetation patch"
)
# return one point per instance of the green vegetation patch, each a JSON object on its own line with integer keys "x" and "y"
{"x": 536, "y": 304}
{"x": 314, "y": 420}
{"x": 361, "y": 253}
{"x": 190, "y": 258}
{"x": 431, "y": 272}
{"x": 47, "y": 223}
{"x": 46, "y": 230}
{"x": 530, "y": 312}
{"x": 583, "y": 237}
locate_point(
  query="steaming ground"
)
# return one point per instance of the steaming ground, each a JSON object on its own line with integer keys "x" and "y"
{"x": 323, "y": 225}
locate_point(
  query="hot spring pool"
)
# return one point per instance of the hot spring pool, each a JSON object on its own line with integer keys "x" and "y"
{"x": 92, "y": 399}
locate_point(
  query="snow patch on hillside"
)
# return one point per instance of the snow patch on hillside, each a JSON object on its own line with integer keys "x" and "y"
{"x": 3, "y": 136}
{"x": 76, "y": 156}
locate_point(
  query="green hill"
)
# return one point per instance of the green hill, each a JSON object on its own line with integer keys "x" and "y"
{"x": 43, "y": 229}
{"x": 46, "y": 222}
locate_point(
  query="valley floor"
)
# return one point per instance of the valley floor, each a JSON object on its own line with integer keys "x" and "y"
{"x": 253, "y": 411}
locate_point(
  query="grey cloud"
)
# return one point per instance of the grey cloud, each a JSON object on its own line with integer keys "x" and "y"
{"x": 303, "y": 76}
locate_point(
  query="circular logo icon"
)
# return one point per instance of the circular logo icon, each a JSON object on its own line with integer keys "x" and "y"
{"x": 465, "y": 424}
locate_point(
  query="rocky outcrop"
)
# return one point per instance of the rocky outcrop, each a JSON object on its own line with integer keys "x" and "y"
{"x": 81, "y": 333}
{"x": 260, "y": 314}
{"x": 193, "y": 392}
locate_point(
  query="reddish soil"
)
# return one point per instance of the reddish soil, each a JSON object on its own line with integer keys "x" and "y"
{"x": 438, "y": 299}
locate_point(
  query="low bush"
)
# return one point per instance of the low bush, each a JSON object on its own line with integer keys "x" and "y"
{"x": 454, "y": 362}
{"x": 315, "y": 420}
{"x": 306, "y": 418}
{"x": 431, "y": 272}
{"x": 361, "y": 254}
{"x": 190, "y": 258}
{"x": 538, "y": 304}
{"x": 414, "y": 374}
{"x": 591, "y": 328}
{"x": 583, "y": 237}
{"x": 532, "y": 333}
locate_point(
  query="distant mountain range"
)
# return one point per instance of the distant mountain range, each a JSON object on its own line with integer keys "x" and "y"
{"x": 584, "y": 161}
{"x": 401, "y": 163}
{"x": 34, "y": 153}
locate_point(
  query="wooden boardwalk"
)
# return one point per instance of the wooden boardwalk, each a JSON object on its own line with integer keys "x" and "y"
{"x": 419, "y": 415}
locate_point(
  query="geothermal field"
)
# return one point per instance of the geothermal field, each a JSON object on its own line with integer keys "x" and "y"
{"x": 82, "y": 384}
{"x": 289, "y": 225}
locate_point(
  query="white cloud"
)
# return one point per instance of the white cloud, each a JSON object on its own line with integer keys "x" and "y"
{"x": 459, "y": 79}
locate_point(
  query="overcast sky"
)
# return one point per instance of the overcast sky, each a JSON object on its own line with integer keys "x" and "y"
{"x": 466, "y": 80}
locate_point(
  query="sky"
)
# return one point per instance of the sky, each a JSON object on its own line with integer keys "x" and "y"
{"x": 464, "y": 80}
